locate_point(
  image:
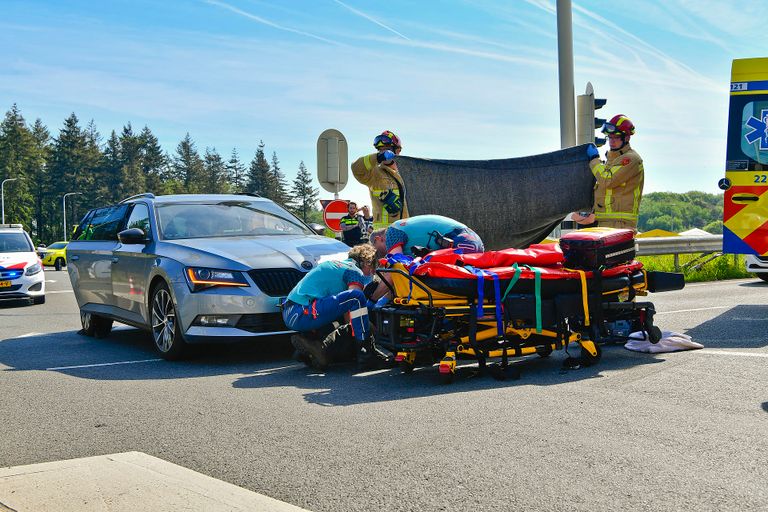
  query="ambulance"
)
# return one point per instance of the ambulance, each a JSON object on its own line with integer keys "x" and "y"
{"x": 745, "y": 207}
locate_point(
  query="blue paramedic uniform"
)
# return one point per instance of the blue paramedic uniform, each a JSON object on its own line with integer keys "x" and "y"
{"x": 420, "y": 231}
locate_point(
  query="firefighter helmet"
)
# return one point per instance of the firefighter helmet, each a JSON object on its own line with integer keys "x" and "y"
{"x": 386, "y": 139}
{"x": 619, "y": 125}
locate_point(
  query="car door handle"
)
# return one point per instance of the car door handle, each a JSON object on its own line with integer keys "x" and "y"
{"x": 74, "y": 258}
{"x": 114, "y": 259}
{"x": 744, "y": 198}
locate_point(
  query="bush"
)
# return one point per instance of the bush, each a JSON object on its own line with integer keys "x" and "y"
{"x": 722, "y": 267}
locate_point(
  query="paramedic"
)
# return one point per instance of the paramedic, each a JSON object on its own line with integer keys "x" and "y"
{"x": 427, "y": 233}
{"x": 378, "y": 172}
{"x": 619, "y": 180}
{"x": 331, "y": 291}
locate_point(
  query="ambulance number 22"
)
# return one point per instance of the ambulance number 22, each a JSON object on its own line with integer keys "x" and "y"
{"x": 761, "y": 178}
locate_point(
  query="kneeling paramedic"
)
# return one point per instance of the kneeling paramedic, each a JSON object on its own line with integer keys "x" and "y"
{"x": 418, "y": 235}
{"x": 330, "y": 292}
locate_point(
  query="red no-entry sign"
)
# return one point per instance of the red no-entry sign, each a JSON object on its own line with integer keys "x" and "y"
{"x": 333, "y": 213}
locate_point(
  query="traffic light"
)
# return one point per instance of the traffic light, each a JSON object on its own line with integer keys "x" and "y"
{"x": 586, "y": 122}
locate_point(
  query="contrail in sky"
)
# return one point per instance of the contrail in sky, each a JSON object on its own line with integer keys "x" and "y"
{"x": 267, "y": 22}
{"x": 369, "y": 18}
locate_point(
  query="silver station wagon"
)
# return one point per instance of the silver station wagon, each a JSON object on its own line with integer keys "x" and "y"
{"x": 191, "y": 268}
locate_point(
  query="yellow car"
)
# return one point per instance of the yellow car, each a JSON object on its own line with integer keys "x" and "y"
{"x": 55, "y": 255}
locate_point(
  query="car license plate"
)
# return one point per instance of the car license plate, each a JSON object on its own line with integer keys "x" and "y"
{"x": 5, "y": 284}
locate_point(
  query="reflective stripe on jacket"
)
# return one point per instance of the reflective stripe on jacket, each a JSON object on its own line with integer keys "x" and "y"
{"x": 379, "y": 178}
{"x": 618, "y": 188}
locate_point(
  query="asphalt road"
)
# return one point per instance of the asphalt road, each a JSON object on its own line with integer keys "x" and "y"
{"x": 682, "y": 431}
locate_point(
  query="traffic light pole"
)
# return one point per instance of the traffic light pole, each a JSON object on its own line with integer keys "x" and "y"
{"x": 565, "y": 73}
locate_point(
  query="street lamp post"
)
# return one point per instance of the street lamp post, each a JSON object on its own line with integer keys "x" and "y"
{"x": 565, "y": 73}
{"x": 2, "y": 195}
{"x": 64, "y": 210}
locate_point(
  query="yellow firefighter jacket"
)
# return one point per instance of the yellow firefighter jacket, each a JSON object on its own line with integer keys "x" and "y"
{"x": 618, "y": 189}
{"x": 379, "y": 178}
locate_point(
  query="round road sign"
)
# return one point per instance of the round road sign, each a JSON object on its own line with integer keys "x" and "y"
{"x": 333, "y": 213}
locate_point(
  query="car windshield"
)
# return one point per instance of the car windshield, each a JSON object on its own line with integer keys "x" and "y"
{"x": 226, "y": 218}
{"x": 57, "y": 245}
{"x": 14, "y": 242}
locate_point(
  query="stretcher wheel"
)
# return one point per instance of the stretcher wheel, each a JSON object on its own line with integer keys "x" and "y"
{"x": 447, "y": 378}
{"x": 587, "y": 359}
{"x": 407, "y": 367}
{"x": 654, "y": 334}
{"x": 544, "y": 351}
{"x": 500, "y": 372}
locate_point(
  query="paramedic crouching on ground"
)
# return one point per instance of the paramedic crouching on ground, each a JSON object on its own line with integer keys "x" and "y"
{"x": 331, "y": 291}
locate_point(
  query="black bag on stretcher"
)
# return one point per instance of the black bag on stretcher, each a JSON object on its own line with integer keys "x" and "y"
{"x": 592, "y": 248}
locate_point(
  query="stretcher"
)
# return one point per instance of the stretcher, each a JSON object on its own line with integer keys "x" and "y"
{"x": 511, "y": 303}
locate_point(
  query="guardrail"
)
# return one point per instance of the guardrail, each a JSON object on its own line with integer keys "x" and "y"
{"x": 676, "y": 245}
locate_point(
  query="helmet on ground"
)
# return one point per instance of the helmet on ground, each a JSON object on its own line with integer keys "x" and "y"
{"x": 386, "y": 139}
{"x": 619, "y": 125}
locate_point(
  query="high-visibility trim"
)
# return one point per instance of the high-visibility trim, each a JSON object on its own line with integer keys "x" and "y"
{"x": 358, "y": 313}
{"x": 367, "y": 162}
{"x": 615, "y": 215}
{"x": 608, "y": 200}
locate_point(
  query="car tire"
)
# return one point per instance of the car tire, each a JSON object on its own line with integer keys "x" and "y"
{"x": 94, "y": 325}
{"x": 39, "y": 300}
{"x": 166, "y": 330}
{"x": 58, "y": 264}
{"x": 763, "y": 276}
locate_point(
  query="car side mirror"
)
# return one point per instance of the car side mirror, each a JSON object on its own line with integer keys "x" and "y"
{"x": 317, "y": 228}
{"x": 132, "y": 236}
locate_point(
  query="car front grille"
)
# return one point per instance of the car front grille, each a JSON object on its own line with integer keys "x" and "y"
{"x": 276, "y": 282}
{"x": 11, "y": 288}
{"x": 264, "y": 322}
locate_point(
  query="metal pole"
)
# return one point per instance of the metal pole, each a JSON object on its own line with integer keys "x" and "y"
{"x": 2, "y": 196}
{"x": 565, "y": 72}
{"x": 64, "y": 210}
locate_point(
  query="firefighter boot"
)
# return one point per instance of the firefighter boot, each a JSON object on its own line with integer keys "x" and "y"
{"x": 313, "y": 349}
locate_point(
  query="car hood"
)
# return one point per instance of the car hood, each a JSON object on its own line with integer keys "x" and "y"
{"x": 17, "y": 260}
{"x": 266, "y": 251}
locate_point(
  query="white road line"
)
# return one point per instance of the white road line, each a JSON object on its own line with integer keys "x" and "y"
{"x": 60, "y": 291}
{"x": 103, "y": 364}
{"x": 729, "y": 353}
{"x": 27, "y": 335}
{"x": 50, "y": 280}
{"x": 690, "y": 310}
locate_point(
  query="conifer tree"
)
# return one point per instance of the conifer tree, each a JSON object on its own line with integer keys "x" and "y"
{"x": 304, "y": 194}
{"x": 259, "y": 175}
{"x": 215, "y": 173}
{"x": 236, "y": 173}
{"x": 154, "y": 162}
{"x": 131, "y": 179}
{"x": 42, "y": 139}
{"x": 280, "y": 192}
{"x": 17, "y": 149}
{"x": 187, "y": 168}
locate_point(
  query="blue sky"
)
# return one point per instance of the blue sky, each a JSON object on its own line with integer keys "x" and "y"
{"x": 471, "y": 79}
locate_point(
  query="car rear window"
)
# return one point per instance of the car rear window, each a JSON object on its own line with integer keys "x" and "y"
{"x": 14, "y": 242}
{"x": 57, "y": 245}
{"x": 226, "y": 218}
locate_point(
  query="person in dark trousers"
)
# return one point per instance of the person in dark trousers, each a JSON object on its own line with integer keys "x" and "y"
{"x": 352, "y": 226}
{"x": 368, "y": 220}
{"x": 331, "y": 294}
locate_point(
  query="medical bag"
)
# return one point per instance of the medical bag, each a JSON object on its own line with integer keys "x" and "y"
{"x": 592, "y": 248}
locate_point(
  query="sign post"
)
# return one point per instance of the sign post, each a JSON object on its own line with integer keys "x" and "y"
{"x": 332, "y": 161}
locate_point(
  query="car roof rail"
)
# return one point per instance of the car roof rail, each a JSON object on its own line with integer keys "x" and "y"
{"x": 149, "y": 195}
{"x": 11, "y": 226}
{"x": 252, "y": 194}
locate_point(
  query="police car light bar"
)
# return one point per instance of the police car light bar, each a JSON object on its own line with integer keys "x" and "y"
{"x": 11, "y": 226}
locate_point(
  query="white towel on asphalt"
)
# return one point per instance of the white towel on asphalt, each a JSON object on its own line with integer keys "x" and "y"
{"x": 670, "y": 342}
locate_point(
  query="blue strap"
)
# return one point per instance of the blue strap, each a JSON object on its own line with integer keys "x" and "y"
{"x": 481, "y": 274}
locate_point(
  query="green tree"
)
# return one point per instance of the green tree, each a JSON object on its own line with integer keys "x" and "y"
{"x": 304, "y": 194}
{"x": 259, "y": 181}
{"x": 17, "y": 161}
{"x": 215, "y": 172}
{"x": 280, "y": 192}
{"x": 187, "y": 168}
{"x": 39, "y": 178}
{"x": 154, "y": 162}
{"x": 236, "y": 173}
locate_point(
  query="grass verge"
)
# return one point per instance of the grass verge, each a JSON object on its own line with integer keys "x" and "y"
{"x": 728, "y": 266}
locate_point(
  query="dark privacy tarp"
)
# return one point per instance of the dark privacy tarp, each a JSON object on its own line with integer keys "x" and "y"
{"x": 510, "y": 203}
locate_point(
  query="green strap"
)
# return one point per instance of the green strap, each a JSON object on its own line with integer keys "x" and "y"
{"x": 515, "y": 277}
{"x": 537, "y": 275}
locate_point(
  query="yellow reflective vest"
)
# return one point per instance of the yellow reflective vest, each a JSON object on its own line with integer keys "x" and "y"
{"x": 379, "y": 178}
{"x": 618, "y": 188}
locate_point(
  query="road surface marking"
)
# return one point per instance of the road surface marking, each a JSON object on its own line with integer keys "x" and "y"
{"x": 690, "y": 310}
{"x": 60, "y": 291}
{"x": 103, "y": 364}
{"x": 729, "y": 353}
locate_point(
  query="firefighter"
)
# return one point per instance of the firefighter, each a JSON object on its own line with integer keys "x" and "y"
{"x": 329, "y": 294}
{"x": 378, "y": 172}
{"x": 619, "y": 180}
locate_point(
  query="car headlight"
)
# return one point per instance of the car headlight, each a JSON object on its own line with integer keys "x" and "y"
{"x": 202, "y": 278}
{"x": 33, "y": 269}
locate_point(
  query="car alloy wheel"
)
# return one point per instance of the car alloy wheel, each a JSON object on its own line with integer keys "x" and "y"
{"x": 165, "y": 328}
